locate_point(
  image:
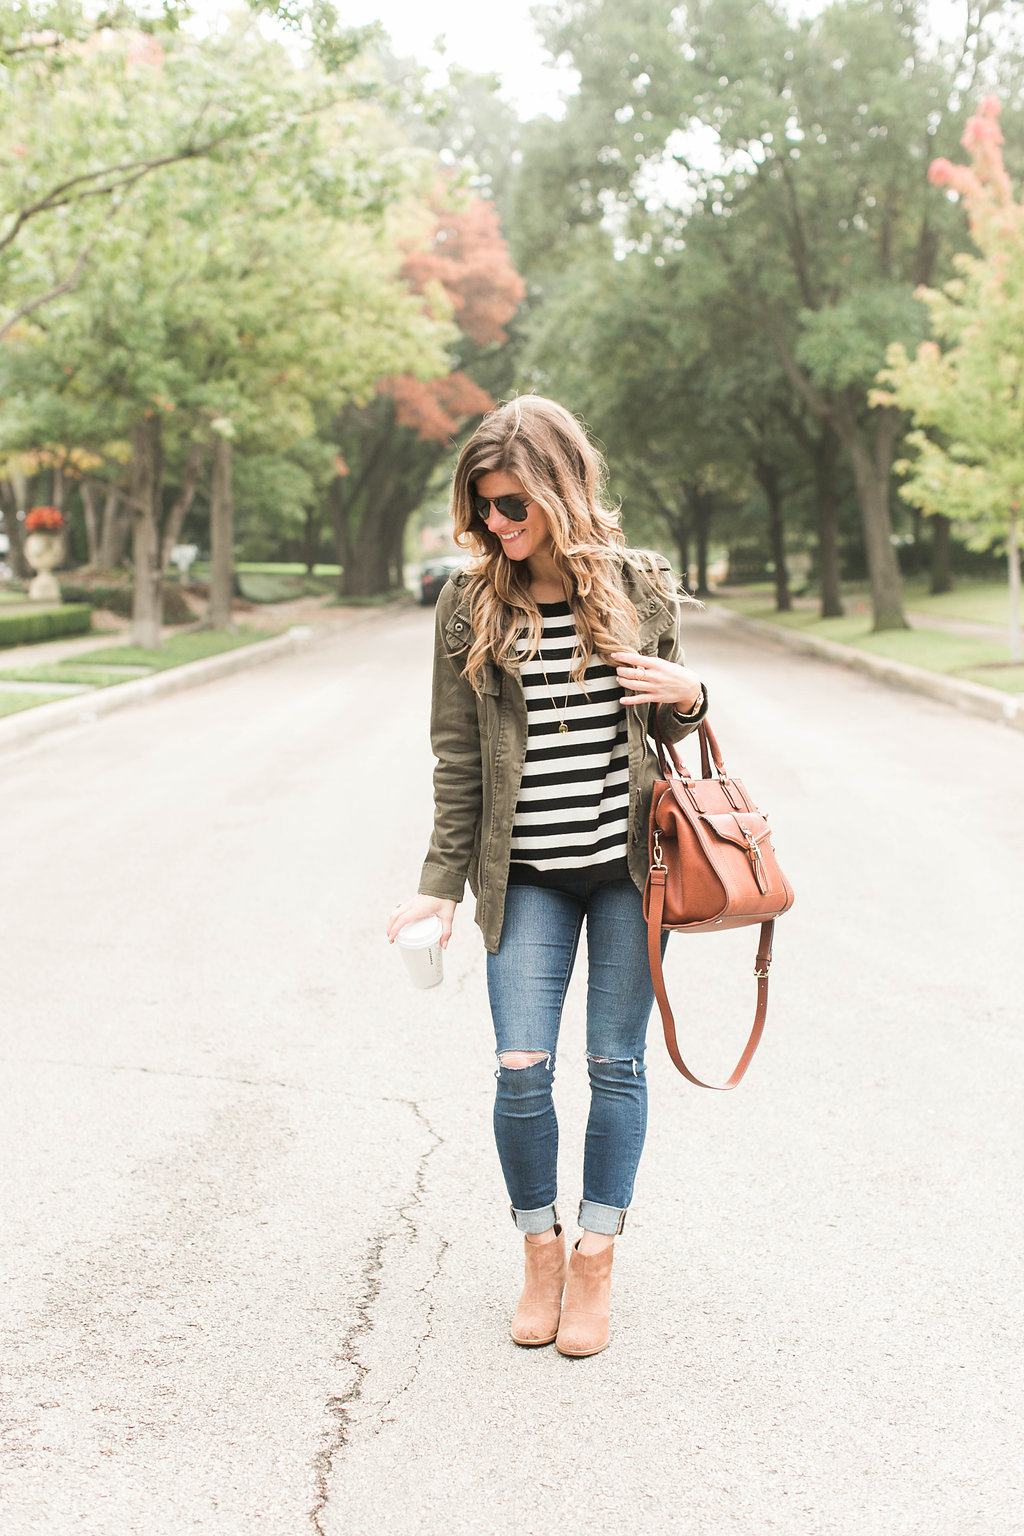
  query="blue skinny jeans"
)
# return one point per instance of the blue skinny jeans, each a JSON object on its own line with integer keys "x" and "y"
{"x": 526, "y": 982}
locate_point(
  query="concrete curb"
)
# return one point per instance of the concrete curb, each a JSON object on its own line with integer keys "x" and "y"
{"x": 972, "y": 698}
{"x": 87, "y": 707}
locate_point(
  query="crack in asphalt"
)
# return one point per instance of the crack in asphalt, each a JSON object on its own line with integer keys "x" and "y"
{"x": 341, "y": 1405}
{"x": 419, "y": 1189}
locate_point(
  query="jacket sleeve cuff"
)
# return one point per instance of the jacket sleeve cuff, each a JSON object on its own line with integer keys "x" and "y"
{"x": 675, "y": 726}
{"x": 436, "y": 880}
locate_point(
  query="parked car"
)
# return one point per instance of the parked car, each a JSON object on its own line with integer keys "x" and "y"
{"x": 434, "y": 574}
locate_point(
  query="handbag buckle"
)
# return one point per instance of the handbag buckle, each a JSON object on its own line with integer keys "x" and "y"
{"x": 658, "y": 860}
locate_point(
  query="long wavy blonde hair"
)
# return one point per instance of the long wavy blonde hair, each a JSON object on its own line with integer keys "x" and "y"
{"x": 549, "y": 453}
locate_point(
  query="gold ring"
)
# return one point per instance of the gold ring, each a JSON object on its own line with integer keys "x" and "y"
{"x": 640, "y": 672}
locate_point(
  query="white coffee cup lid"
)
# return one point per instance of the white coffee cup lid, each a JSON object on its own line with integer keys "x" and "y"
{"x": 422, "y": 934}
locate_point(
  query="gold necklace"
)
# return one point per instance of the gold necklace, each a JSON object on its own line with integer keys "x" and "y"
{"x": 563, "y": 726}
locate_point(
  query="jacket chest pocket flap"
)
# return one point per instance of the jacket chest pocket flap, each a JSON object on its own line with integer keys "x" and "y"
{"x": 457, "y": 638}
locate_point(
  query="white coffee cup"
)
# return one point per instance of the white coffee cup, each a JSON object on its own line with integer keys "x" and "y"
{"x": 420, "y": 944}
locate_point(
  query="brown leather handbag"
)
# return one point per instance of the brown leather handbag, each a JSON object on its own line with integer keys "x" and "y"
{"x": 712, "y": 866}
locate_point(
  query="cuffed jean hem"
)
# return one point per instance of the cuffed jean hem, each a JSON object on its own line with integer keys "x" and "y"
{"x": 540, "y": 1220}
{"x": 608, "y": 1220}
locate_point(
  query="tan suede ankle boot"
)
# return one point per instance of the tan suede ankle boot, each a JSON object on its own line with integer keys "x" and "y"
{"x": 536, "y": 1319}
{"x": 584, "y": 1327}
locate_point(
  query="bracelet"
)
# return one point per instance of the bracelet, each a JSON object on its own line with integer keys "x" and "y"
{"x": 694, "y": 711}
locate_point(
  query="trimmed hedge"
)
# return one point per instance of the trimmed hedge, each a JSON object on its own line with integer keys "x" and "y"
{"x": 47, "y": 624}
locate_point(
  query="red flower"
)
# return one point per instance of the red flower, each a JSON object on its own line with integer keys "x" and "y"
{"x": 44, "y": 520}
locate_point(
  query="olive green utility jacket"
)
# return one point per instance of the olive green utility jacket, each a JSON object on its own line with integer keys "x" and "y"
{"x": 479, "y": 741}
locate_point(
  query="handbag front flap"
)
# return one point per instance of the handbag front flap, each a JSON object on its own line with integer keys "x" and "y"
{"x": 735, "y": 836}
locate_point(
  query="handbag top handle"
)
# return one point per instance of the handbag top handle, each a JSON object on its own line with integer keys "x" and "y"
{"x": 710, "y": 752}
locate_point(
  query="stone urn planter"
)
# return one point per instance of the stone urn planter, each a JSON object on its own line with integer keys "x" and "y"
{"x": 44, "y": 549}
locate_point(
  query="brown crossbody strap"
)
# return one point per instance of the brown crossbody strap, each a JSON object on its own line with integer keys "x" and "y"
{"x": 764, "y": 959}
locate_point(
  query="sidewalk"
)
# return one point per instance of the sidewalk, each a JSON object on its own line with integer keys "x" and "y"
{"x": 48, "y": 651}
{"x": 970, "y": 627}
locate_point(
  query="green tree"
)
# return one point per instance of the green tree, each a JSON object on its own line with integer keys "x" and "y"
{"x": 968, "y": 399}
{"x": 232, "y": 296}
{"x": 612, "y": 341}
{"x": 392, "y": 445}
{"x": 800, "y": 145}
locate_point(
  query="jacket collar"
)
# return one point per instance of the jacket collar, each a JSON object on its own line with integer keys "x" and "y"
{"x": 652, "y": 612}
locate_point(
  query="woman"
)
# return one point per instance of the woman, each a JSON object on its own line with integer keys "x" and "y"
{"x": 550, "y": 653}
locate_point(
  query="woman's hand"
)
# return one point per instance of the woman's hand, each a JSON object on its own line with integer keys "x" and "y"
{"x": 654, "y": 681}
{"x": 416, "y": 909}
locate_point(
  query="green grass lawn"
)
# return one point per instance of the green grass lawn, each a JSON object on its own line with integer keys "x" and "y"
{"x": 1009, "y": 678}
{"x": 174, "y": 652}
{"x": 280, "y": 587}
{"x": 113, "y": 664}
{"x": 72, "y": 671}
{"x": 284, "y": 568}
{"x": 14, "y": 703}
{"x": 976, "y": 602}
{"x": 280, "y": 582}
{"x": 935, "y": 650}
{"x": 973, "y": 602}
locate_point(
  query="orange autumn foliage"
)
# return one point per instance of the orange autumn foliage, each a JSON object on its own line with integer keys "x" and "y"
{"x": 469, "y": 258}
{"x": 984, "y": 185}
{"x": 436, "y": 408}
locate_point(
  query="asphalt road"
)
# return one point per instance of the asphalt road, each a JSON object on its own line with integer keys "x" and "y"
{"x": 257, "y": 1255}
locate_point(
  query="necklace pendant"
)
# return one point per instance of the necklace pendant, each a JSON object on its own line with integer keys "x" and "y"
{"x": 563, "y": 729}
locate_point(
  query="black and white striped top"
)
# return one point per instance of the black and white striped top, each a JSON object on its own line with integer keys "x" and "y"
{"x": 572, "y": 815}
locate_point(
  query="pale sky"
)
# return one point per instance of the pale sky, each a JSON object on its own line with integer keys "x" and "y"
{"x": 500, "y": 38}
{"x": 497, "y": 38}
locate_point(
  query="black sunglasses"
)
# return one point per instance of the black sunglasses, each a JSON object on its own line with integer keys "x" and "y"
{"x": 509, "y": 506}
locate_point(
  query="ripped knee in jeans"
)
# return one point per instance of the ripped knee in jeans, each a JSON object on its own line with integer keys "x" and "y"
{"x": 518, "y": 1061}
{"x": 634, "y": 1063}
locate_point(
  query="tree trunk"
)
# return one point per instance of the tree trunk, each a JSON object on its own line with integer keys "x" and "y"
{"x": 367, "y": 572}
{"x": 829, "y": 575}
{"x": 114, "y": 530}
{"x": 683, "y": 546}
{"x": 1013, "y": 563}
{"x": 90, "y": 509}
{"x": 15, "y": 525}
{"x": 768, "y": 478}
{"x": 146, "y": 475}
{"x": 393, "y": 539}
{"x": 338, "y": 507}
{"x": 371, "y": 551}
{"x": 12, "y": 528}
{"x": 311, "y": 538}
{"x": 222, "y": 536}
{"x": 872, "y": 472}
{"x": 8, "y": 510}
{"x": 917, "y": 525}
{"x": 182, "y": 504}
{"x": 57, "y": 496}
{"x": 942, "y": 570}
{"x": 363, "y": 571}
{"x": 703, "y": 507}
